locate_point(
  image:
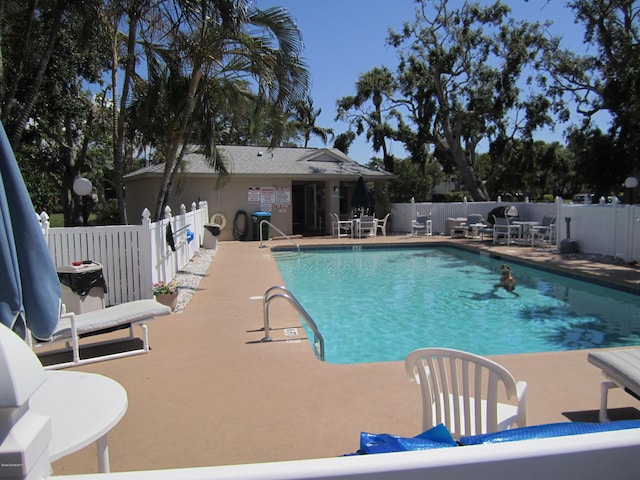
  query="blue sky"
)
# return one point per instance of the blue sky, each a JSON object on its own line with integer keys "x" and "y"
{"x": 345, "y": 38}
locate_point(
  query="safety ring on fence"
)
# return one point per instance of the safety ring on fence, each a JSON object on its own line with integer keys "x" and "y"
{"x": 219, "y": 219}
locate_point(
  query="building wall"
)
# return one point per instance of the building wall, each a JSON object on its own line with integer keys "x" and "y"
{"x": 141, "y": 193}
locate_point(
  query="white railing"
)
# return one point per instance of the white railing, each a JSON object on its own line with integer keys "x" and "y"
{"x": 607, "y": 229}
{"x": 133, "y": 257}
{"x": 586, "y": 457}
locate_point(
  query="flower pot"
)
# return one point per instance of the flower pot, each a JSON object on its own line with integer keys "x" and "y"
{"x": 168, "y": 299}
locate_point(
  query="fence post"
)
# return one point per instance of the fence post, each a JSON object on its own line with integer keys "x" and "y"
{"x": 43, "y": 218}
{"x": 147, "y": 253}
{"x": 628, "y": 254}
{"x": 184, "y": 253}
{"x": 559, "y": 204}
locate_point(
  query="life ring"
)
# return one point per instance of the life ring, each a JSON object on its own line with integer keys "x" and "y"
{"x": 219, "y": 219}
{"x": 237, "y": 233}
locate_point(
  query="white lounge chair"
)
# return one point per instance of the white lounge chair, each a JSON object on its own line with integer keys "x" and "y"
{"x": 622, "y": 369}
{"x": 72, "y": 327}
{"x": 461, "y": 390}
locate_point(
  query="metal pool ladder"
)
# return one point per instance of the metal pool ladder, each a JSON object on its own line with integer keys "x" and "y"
{"x": 262, "y": 245}
{"x": 282, "y": 292}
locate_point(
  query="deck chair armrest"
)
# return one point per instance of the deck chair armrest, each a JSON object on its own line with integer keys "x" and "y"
{"x": 521, "y": 393}
{"x": 519, "y": 416}
{"x": 75, "y": 338}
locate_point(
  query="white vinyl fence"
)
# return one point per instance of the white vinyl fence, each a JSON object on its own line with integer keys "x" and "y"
{"x": 133, "y": 257}
{"x": 607, "y": 229}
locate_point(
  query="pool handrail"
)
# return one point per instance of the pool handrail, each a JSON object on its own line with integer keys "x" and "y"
{"x": 318, "y": 341}
{"x": 262, "y": 245}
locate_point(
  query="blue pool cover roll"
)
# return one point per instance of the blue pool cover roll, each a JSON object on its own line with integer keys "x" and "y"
{"x": 547, "y": 431}
{"x": 439, "y": 436}
{"x": 436, "y": 437}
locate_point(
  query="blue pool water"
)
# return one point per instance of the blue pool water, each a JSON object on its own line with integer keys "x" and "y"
{"x": 379, "y": 304}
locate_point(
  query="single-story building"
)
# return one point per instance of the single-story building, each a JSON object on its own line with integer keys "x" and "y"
{"x": 299, "y": 187}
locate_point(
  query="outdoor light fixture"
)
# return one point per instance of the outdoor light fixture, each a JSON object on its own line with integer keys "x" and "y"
{"x": 82, "y": 186}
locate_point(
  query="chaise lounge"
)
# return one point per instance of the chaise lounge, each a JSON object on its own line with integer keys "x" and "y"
{"x": 72, "y": 327}
{"x": 622, "y": 369}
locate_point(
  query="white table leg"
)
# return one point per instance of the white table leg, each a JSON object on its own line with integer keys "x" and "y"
{"x": 103, "y": 454}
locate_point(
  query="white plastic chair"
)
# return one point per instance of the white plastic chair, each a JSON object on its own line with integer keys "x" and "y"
{"x": 341, "y": 228}
{"x": 382, "y": 225}
{"x": 461, "y": 390}
{"x": 473, "y": 225}
{"x": 367, "y": 225}
{"x": 422, "y": 223}
{"x": 544, "y": 233}
{"x": 503, "y": 228}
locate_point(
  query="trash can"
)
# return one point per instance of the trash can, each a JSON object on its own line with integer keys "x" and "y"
{"x": 257, "y": 217}
{"x": 83, "y": 286}
{"x": 210, "y": 239}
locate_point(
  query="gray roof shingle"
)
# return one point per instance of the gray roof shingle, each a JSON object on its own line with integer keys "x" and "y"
{"x": 255, "y": 161}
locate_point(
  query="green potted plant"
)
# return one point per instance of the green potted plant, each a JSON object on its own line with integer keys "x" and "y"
{"x": 166, "y": 293}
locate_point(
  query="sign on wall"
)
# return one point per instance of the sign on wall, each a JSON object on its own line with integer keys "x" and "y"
{"x": 268, "y": 196}
{"x": 254, "y": 195}
{"x": 283, "y": 197}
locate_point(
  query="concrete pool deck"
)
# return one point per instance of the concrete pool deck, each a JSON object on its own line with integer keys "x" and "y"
{"x": 210, "y": 393}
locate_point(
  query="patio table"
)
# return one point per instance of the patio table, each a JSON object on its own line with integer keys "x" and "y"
{"x": 525, "y": 230}
{"x": 474, "y": 229}
{"x": 355, "y": 229}
{"x": 83, "y": 408}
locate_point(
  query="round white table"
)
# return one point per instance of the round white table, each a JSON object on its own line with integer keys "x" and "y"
{"x": 525, "y": 230}
{"x": 83, "y": 408}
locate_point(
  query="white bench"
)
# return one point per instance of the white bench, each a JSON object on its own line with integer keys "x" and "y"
{"x": 72, "y": 327}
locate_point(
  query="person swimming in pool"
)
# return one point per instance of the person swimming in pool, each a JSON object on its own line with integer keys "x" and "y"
{"x": 506, "y": 280}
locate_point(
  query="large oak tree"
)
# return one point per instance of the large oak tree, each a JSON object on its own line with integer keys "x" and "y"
{"x": 466, "y": 75}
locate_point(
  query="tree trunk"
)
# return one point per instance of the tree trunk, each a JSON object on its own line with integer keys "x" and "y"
{"x": 386, "y": 158}
{"x": 165, "y": 183}
{"x": 172, "y": 162}
{"x": 9, "y": 94}
{"x": 120, "y": 112}
{"x": 30, "y": 99}
{"x": 451, "y": 144}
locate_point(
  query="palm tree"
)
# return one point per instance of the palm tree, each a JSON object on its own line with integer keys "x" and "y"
{"x": 304, "y": 120}
{"x": 225, "y": 42}
{"x": 373, "y": 85}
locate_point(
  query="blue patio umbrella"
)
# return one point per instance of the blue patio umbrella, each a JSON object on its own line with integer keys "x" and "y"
{"x": 362, "y": 197}
{"x": 29, "y": 285}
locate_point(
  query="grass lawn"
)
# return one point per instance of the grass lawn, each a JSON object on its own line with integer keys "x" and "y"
{"x": 57, "y": 220}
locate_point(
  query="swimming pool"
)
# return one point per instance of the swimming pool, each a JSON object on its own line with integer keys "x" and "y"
{"x": 378, "y": 304}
